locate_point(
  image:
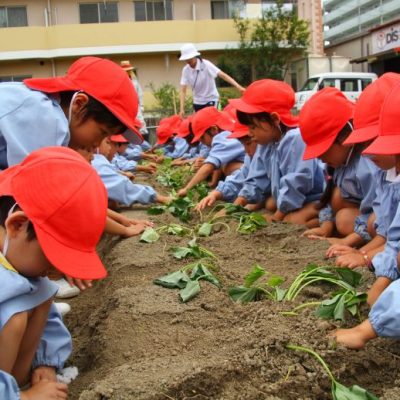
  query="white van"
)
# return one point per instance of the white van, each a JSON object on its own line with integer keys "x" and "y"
{"x": 350, "y": 83}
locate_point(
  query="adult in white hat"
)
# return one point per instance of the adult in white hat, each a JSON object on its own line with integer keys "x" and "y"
{"x": 200, "y": 75}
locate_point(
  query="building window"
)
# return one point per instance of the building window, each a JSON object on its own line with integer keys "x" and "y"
{"x": 13, "y": 16}
{"x": 225, "y": 9}
{"x": 93, "y": 13}
{"x": 14, "y": 78}
{"x": 152, "y": 10}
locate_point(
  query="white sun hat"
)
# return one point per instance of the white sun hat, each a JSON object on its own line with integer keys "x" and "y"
{"x": 188, "y": 51}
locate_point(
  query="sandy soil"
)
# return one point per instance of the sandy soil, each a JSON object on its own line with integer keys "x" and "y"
{"x": 136, "y": 340}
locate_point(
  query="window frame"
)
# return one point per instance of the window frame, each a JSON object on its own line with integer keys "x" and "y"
{"x": 6, "y": 9}
{"x": 98, "y": 4}
{"x": 168, "y": 10}
{"x": 14, "y": 78}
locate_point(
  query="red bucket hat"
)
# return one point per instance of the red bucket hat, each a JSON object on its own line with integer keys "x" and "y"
{"x": 207, "y": 117}
{"x": 184, "y": 127}
{"x": 119, "y": 139}
{"x": 388, "y": 141}
{"x": 368, "y": 108}
{"x": 321, "y": 119}
{"x": 102, "y": 79}
{"x": 268, "y": 95}
{"x": 167, "y": 128}
{"x": 66, "y": 201}
{"x": 239, "y": 131}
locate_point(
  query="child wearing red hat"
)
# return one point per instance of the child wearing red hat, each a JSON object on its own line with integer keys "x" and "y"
{"x": 93, "y": 100}
{"x": 212, "y": 128}
{"x": 44, "y": 223}
{"x": 127, "y": 166}
{"x": 384, "y": 317}
{"x": 295, "y": 184}
{"x": 120, "y": 188}
{"x": 347, "y": 203}
{"x": 366, "y": 121}
{"x": 229, "y": 188}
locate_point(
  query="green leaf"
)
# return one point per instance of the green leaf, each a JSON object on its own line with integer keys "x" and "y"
{"x": 200, "y": 271}
{"x": 341, "y": 392}
{"x": 275, "y": 281}
{"x": 256, "y": 273}
{"x": 205, "y": 229}
{"x": 234, "y": 208}
{"x": 280, "y": 294}
{"x": 181, "y": 252}
{"x": 150, "y": 235}
{"x": 243, "y": 295}
{"x": 156, "y": 210}
{"x": 176, "y": 279}
{"x": 350, "y": 276}
{"x": 191, "y": 290}
{"x": 338, "y": 313}
{"x": 258, "y": 219}
{"x": 175, "y": 229}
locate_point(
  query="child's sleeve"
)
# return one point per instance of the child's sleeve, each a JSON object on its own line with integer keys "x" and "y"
{"x": 223, "y": 151}
{"x": 232, "y": 184}
{"x": 212, "y": 69}
{"x": 133, "y": 153}
{"x": 385, "y": 313}
{"x": 326, "y": 214}
{"x": 180, "y": 148}
{"x": 385, "y": 263}
{"x": 257, "y": 186}
{"x": 300, "y": 180}
{"x": 204, "y": 150}
{"x": 55, "y": 345}
{"x": 123, "y": 164}
{"x": 8, "y": 387}
{"x": 379, "y": 208}
{"x": 121, "y": 189}
{"x": 367, "y": 174}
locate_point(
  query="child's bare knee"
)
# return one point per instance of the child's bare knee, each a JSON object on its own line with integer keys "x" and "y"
{"x": 17, "y": 324}
{"x": 345, "y": 221}
{"x": 270, "y": 204}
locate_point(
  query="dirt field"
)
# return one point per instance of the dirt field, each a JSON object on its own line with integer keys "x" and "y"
{"x": 136, "y": 340}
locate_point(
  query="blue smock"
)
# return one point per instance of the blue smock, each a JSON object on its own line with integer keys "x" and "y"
{"x": 230, "y": 187}
{"x": 123, "y": 164}
{"x": 224, "y": 150}
{"x": 29, "y": 120}
{"x": 385, "y": 313}
{"x": 257, "y": 186}
{"x": 355, "y": 181}
{"x": 176, "y": 148}
{"x": 20, "y": 294}
{"x": 134, "y": 151}
{"x": 119, "y": 187}
{"x": 294, "y": 181}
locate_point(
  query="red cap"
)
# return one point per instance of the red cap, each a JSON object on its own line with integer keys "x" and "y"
{"x": 119, "y": 139}
{"x": 239, "y": 131}
{"x": 368, "y": 108}
{"x": 322, "y": 118}
{"x": 268, "y": 95}
{"x": 388, "y": 141}
{"x": 207, "y": 117}
{"x": 102, "y": 79}
{"x": 66, "y": 201}
{"x": 168, "y": 127}
{"x": 184, "y": 127}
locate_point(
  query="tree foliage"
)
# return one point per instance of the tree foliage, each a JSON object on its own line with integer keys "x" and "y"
{"x": 266, "y": 45}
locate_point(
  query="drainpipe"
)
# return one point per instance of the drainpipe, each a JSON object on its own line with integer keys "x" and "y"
{"x": 50, "y": 22}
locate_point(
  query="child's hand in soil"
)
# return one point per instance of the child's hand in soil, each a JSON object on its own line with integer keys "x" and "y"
{"x": 43, "y": 373}
{"x": 208, "y": 201}
{"x": 351, "y": 260}
{"x": 82, "y": 284}
{"x": 45, "y": 390}
{"x": 357, "y": 337}
{"x": 339, "y": 249}
{"x": 315, "y": 233}
{"x": 134, "y": 230}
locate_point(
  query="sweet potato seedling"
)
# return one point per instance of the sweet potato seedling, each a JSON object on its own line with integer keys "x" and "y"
{"x": 339, "y": 391}
{"x": 253, "y": 290}
{"x": 189, "y": 284}
{"x": 192, "y": 250}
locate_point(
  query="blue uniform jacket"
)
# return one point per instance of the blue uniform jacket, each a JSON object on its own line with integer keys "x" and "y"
{"x": 257, "y": 186}
{"x": 119, "y": 187}
{"x": 355, "y": 182}
{"x": 19, "y": 294}
{"x": 230, "y": 187}
{"x": 29, "y": 120}
{"x": 177, "y": 148}
{"x": 123, "y": 164}
{"x": 224, "y": 150}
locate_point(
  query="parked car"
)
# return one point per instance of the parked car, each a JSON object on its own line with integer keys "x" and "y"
{"x": 350, "y": 83}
